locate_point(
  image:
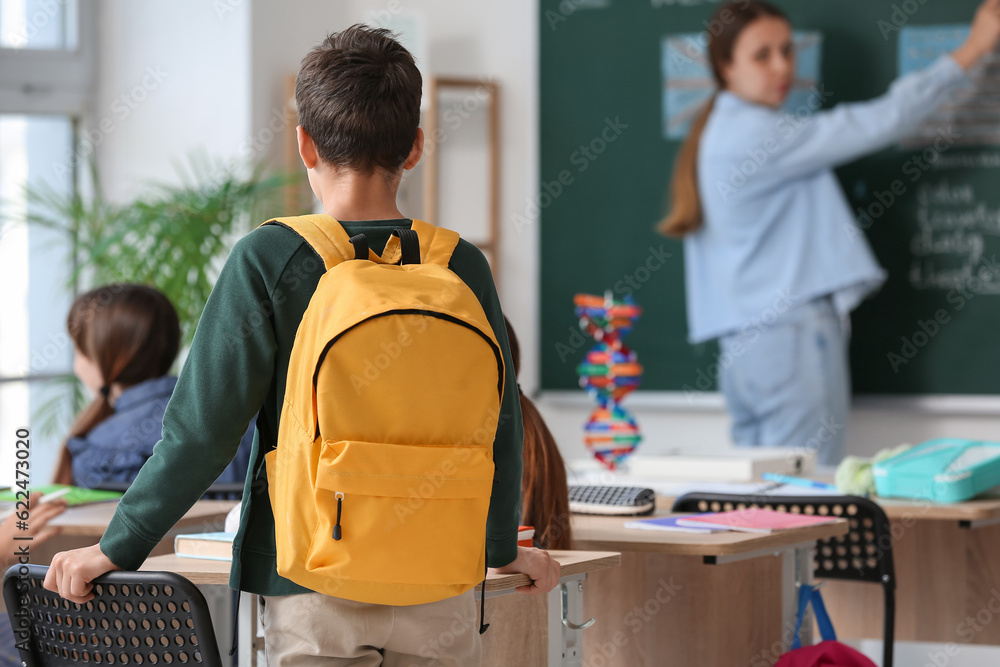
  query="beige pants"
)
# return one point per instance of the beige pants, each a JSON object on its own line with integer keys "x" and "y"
{"x": 313, "y": 629}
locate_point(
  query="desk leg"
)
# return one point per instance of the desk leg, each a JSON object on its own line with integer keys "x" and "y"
{"x": 220, "y": 609}
{"x": 250, "y": 644}
{"x": 565, "y": 647}
{"x": 796, "y": 568}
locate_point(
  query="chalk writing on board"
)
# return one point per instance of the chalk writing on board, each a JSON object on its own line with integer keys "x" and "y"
{"x": 688, "y": 83}
{"x": 955, "y": 242}
{"x": 973, "y": 111}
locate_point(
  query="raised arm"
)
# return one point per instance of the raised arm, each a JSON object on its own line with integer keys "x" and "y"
{"x": 796, "y": 146}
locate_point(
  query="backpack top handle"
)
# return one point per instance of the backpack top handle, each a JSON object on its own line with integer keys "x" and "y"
{"x": 360, "y": 243}
{"x": 409, "y": 243}
{"x": 331, "y": 242}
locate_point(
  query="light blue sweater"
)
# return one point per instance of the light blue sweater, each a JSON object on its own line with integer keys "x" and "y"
{"x": 778, "y": 230}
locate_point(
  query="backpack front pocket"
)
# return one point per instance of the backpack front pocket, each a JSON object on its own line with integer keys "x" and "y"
{"x": 407, "y": 513}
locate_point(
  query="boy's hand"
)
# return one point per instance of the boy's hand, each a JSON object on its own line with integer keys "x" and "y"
{"x": 71, "y": 572}
{"x": 537, "y": 564}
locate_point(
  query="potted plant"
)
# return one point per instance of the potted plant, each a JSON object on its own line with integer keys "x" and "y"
{"x": 172, "y": 237}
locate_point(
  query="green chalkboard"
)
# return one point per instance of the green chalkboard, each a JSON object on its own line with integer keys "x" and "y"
{"x": 606, "y": 158}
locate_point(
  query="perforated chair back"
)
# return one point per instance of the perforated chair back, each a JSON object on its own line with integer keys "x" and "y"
{"x": 135, "y": 618}
{"x": 864, "y": 554}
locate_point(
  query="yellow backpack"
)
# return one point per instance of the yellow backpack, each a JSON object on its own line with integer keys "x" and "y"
{"x": 381, "y": 480}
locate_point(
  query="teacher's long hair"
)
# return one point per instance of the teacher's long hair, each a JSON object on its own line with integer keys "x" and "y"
{"x": 686, "y": 214}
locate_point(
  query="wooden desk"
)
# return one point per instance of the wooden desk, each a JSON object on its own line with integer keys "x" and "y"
{"x": 84, "y": 525}
{"x": 92, "y": 520}
{"x": 610, "y": 533}
{"x": 947, "y": 561}
{"x": 524, "y": 629}
{"x": 977, "y": 513}
{"x": 668, "y": 605}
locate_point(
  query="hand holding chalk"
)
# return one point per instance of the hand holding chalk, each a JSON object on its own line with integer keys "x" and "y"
{"x": 983, "y": 35}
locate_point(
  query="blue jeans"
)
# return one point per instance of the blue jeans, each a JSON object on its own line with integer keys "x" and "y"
{"x": 787, "y": 382}
{"x": 9, "y": 656}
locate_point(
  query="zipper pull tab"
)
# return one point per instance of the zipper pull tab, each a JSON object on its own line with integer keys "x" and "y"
{"x": 340, "y": 506}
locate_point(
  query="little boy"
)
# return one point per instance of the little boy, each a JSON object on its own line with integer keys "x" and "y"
{"x": 358, "y": 98}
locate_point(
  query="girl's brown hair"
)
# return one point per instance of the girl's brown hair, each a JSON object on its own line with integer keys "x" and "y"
{"x": 544, "y": 493}
{"x": 726, "y": 25}
{"x": 132, "y": 334}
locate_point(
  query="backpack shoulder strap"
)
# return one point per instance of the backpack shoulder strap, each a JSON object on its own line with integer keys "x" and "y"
{"x": 436, "y": 244}
{"x": 324, "y": 233}
{"x": 330, "y": 241}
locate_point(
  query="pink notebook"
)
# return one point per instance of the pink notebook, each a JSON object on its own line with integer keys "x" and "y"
{"x": 754, "y": 520}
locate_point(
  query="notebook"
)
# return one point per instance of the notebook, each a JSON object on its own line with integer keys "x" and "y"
{"x": 669, "y": 523}
{"x": 754, "y": 520}
{"x": 73, "y": 497}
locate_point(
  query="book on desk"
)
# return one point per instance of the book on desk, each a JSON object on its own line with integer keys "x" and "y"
{"x": 749, "y": 520}
{"x": 211, "y": 546}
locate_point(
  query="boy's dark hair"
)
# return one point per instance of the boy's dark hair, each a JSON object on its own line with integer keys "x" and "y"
{"x": 358, "y": 97}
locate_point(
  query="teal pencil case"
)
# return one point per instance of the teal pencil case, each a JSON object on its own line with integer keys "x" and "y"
{"x": 945, "y": 470}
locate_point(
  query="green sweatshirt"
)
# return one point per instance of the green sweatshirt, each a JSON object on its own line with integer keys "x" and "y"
{"x": 237, "y": 368}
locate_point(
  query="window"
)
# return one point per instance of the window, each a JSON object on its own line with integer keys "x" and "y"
{"x": 45, "y": 80}
{"x": 38, "y": 24}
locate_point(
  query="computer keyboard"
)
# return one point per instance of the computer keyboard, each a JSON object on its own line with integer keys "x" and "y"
{"x": 613, "y": 500}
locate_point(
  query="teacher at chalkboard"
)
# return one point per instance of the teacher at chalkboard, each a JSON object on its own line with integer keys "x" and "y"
{"x": 774, "y": 260}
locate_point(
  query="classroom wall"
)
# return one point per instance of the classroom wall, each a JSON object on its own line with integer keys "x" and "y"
{"x": 498, "y": 41}
{"x": 263, "y": 41}
{"x": 173, "y": 78}
{"x": 461, "y": 39}
{"x": 280, "y": 34}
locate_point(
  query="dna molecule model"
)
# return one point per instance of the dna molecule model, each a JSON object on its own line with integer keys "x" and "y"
{"x": 609, "y": 372}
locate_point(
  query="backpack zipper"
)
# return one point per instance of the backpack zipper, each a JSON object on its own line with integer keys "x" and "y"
{"x": 340, "y": 504}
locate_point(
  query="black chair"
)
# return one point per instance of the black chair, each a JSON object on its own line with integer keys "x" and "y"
{"x": 864, "y": 554}
{"x": 135, "y": 618}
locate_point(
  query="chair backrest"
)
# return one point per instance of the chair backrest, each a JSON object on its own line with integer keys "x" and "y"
{"x": 135, "y": 618}
{"x": 864, "y": 554}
